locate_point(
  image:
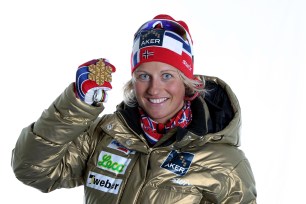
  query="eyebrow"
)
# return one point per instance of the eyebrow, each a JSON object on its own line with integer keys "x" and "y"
{"x": 168, "y": 70}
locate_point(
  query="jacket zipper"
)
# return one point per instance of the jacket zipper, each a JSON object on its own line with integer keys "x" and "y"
{"x": 141, "y": 138}
{"x": 148, "y": 157}
{"x": 140, "y": 191}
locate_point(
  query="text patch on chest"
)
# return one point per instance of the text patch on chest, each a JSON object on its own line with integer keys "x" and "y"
{"x": 178, "y": 162}
{"x": 112, "y": 162}
{"x": 103, "y": 183}
{"x": 117, "y": 146}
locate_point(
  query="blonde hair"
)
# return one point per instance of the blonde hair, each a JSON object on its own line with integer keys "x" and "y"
{"x": 192, "y": 86}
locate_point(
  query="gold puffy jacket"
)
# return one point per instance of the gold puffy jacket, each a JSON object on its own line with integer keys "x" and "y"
{"x": 69, "y": 145}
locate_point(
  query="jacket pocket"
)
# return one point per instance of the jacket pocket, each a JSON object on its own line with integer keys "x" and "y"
{"x": 171, "y": 194}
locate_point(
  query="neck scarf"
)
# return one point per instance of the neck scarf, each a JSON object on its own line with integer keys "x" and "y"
{"x": 154, "y": 131}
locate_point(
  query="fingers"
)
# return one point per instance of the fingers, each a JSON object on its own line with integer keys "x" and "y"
{"x": 91, "y": 76}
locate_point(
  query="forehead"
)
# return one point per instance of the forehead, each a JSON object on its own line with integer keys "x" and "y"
{"x": 155, "y": 67}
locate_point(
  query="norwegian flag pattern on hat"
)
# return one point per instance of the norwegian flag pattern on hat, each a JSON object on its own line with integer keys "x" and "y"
{"x": 165, "y": 41}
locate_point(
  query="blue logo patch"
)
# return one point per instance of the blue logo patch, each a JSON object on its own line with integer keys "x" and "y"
{"x": 178, "y": 162}
{"x": 151, "y": 38}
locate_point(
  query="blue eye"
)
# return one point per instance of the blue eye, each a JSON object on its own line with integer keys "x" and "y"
{"x": 167, "y": 76}
{"x": 144, "y": 76}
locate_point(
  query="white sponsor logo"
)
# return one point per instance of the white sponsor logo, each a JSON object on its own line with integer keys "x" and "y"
{"x": 112, "y": 162}
{"x": 188, "y": 66}
{"x": 176, "y": 168}
{"x": 117, "y": 146}
{"x": 150, "y": 41}
{"x": 103, "y": 183}
{"x": 181, "y": 182}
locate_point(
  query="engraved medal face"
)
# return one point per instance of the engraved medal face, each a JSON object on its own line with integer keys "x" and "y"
{"x": 100, "y": 72}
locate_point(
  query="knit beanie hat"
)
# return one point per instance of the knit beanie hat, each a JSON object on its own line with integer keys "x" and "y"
{"x": 166, "y": 40}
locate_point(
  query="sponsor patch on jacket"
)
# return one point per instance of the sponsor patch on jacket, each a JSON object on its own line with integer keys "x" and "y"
{"x": 117, "y": 146}
{"x": 103, "y": 183}
{"x": 178, "y": 162}
{"x": 181, "y": 182}
{"x": 113, "y": 163}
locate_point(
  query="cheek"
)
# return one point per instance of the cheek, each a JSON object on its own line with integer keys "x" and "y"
{"x": 177, "y": 90}
{"x": 138, "y": 89}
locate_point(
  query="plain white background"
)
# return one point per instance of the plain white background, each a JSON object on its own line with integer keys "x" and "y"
{"x": 257, "y": 47}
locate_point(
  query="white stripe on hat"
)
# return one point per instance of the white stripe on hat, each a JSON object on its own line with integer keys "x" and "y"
{"x": 185, "y": 45}
{"x": 136, "y": 45}
{"x": 173, "y": 45}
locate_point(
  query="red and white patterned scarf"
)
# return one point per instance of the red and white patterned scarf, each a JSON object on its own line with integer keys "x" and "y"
{"x": 154, "y": 131}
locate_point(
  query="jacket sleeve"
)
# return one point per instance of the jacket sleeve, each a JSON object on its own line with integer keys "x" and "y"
{"x": 52, "y": 152}
{"x": 229, "y": 178}
{"x": 241, "y": 185}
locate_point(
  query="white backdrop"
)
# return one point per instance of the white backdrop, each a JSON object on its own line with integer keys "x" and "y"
{"x": 257, "y": 47}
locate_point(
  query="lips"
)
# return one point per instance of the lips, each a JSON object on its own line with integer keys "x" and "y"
{"x": 157, "y": 100}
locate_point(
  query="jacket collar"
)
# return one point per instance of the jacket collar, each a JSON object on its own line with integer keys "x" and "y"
{"x": 197, "y": 126}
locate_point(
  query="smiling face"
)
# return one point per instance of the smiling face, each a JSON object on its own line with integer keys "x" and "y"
{"x": 159, "y": 90}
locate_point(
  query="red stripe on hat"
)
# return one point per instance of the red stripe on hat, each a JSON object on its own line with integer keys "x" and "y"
{"x": 159, "y": 54}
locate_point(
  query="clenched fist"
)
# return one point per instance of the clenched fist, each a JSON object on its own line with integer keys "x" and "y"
{"x": 93, "y": 79}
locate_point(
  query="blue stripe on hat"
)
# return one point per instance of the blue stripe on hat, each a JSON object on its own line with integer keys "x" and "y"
{"x": 177, "y": 37}
{"x": 135, "y": 58}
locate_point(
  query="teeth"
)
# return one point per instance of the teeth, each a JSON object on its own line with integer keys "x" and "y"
{"x": 157, "y": 100}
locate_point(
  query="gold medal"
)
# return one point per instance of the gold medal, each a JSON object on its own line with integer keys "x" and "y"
{"x": 100, "y": 72}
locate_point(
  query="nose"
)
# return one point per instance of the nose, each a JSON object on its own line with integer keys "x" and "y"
{"x": 154, "y": 86}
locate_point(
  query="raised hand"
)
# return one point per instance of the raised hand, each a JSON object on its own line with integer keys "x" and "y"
{"x": 93, "y": 79}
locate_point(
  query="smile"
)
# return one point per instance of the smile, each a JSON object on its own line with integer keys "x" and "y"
{"x": 157, "y": 100}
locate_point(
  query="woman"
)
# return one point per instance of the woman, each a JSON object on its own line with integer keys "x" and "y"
{"x": 174, "y": 138}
